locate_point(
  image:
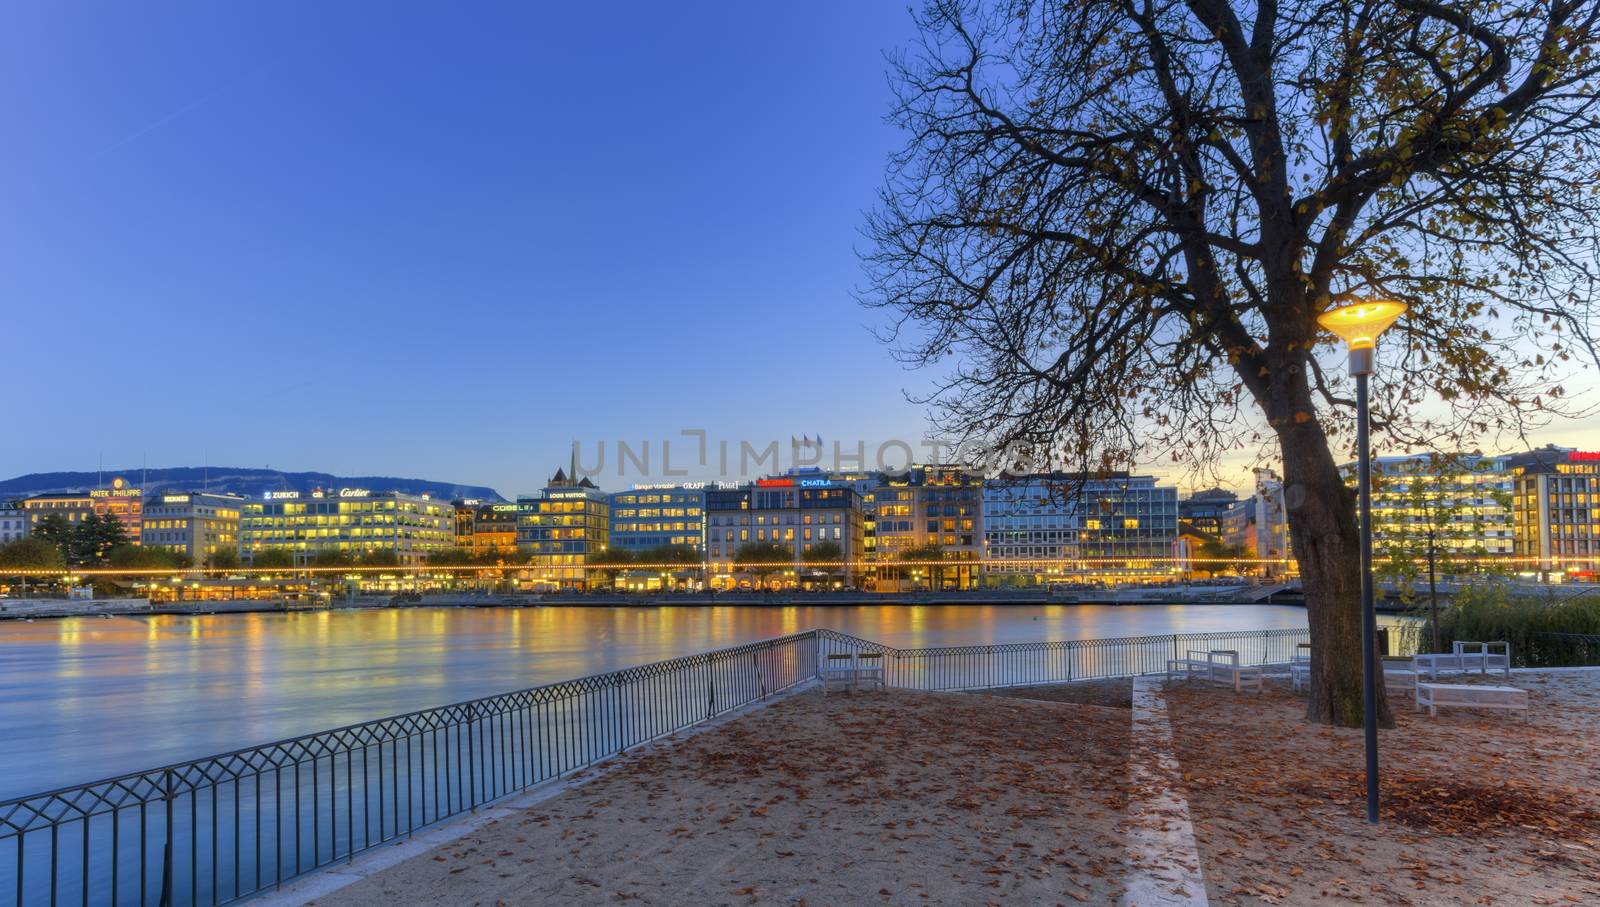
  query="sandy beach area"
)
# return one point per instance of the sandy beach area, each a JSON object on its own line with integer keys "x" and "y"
{"x": 874, "y": 797}
{"x": 1022, "y": 796}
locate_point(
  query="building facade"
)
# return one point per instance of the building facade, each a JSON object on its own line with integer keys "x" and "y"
{"x": 1203, "y": 510}
{"x": 560, "y": 529}
{"x": 192, "y": 523}
{"x": 653, "y": 516}
{"x": 1463, "y": 501}
{"x": 922, "y": 512}
{"x": 353, "y": 521}
{"x": 1270, "y": 525}
{"x": 799, "y": 513}
{"x": 494, "y": 530}
{"x": 727, "y": 527}
{"x": 1555, "y": 502}
{"x": 486, "y": 530}
{"x": 1049, "y": 527}
{"x": 124, "y": 502}
{"x": 74, "y": 508}
{"x": 13, "y": 521}
{"x": 118, "y": 499}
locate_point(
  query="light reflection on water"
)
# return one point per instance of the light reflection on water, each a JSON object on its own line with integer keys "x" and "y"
{"x": 82, "y": 699}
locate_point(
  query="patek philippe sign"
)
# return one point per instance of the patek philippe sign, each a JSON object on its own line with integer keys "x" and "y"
{"x": 119, "y": 489}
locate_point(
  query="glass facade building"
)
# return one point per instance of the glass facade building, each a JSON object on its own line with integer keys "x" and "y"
{"x": 654, "y": 516}
{"x": 1474, "y": 491}
{"x": 1111, "y": 527}
{"x": 350, "y": 520}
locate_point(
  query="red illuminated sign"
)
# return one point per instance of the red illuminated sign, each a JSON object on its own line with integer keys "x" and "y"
{"x": 1582, "y": 456}
{"x": 775, "y": 483}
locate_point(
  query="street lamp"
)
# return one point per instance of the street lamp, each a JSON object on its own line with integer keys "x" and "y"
{"x": 1359, "y": 326}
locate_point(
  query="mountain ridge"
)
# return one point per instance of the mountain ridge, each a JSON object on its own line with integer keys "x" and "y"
{"x": 247, "y": 481}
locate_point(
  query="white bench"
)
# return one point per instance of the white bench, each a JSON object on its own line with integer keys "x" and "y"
{"x": 1299, "y": 671}
{"x": 1218, "y": 666}
{"x": 849, "y": 670}
{"x": 1465, "y": 658}
{"x": 1434, "y": 696}
{"x": 1397, "y": 678}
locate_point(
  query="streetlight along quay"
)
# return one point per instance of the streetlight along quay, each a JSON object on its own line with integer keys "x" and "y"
{"x": 1359, "y": 326}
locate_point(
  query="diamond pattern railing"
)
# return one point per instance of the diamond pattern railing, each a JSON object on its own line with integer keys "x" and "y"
{"x": 227, "y": 826}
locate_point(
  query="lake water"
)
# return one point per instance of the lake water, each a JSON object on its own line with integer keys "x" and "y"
{"x": 82, "y": 699}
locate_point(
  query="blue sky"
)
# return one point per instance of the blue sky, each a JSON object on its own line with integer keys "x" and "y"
{"x": 438, "y": 240}
{"x": 443, "y": 241}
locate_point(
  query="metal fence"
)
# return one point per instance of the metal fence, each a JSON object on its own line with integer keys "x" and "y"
{"x": 1561, "y": 650}
{"x": 221, "y": 828}
{"x": 1027, "y": 663}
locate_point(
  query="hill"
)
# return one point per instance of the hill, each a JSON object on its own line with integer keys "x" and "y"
{"x": 238, "y": 480}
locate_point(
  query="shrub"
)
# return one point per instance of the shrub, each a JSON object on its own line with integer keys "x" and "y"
{"x": 1493, "y": 612}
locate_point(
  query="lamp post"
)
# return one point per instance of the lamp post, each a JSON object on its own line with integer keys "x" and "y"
{"x": 1359, "y": 326}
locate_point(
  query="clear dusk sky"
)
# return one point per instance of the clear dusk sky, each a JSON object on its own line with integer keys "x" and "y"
{"x": 438, "y": 240}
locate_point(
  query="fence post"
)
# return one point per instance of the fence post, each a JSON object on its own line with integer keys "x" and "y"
{"x": 755, "y": 662}
{"x": 622, "y": 738}
{"x": 168, "y": 795}
{"x": 711, "y": 688}
{"x": 472, "y": 759}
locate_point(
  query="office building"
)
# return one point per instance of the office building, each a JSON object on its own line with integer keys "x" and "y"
{"x": 494, "y": 530}
{"x": 798, "y": 512}
{"x": 922, "y": 512}
{"x": 192, "y": 523}
{"x": 1045, "y": 527}
{"x": 727, "y": 527}
{"x": 559, "y": 529}
{"x": 1464, "y": 501}
{"x": 1203, "y": 510}
{"x": 354, "y": 521}
{"x": 653, "y": 516}
{"x": 73, "y": 508}
{"x": 1555, "y": 503}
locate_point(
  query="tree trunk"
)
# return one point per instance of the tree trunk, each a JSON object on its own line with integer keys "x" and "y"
{"x": 1326, "y": 539}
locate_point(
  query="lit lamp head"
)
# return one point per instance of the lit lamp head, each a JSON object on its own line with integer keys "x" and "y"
{"x": 1359, "y": 325}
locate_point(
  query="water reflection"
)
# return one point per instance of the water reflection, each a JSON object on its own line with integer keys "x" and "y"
{"x": 87, "y": 698}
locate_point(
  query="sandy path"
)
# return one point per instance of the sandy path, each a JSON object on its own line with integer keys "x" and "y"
{"x": 882, "y": 797}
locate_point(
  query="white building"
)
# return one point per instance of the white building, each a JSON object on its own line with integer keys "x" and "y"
{"x": 13, "y": 522}
{"x": 193, "y": 523}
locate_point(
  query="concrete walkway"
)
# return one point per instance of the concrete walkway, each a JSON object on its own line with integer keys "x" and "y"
{"x": 1164, "y": 864}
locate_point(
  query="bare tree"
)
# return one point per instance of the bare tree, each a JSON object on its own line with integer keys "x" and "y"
{"x": 1115, "y": 222}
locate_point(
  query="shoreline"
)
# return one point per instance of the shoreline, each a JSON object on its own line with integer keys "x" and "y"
{"x": 268, "y": 606}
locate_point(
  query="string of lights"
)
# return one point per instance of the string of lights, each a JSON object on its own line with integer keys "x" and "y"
{"x": 1037, "y": 564}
